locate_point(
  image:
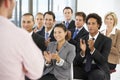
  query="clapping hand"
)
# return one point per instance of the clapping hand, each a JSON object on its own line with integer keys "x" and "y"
{"x": 91, "y": 44}
{"x": 83, "y": 46}
{"x": 56, "y": 56}
{"x": 47, "y": 41}
{"x": 47, "y": 56}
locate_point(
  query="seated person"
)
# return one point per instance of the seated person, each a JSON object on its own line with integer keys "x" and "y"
{"x": 27, "y": 23}
{"x": 95, "y": 48}
{"x": 59, "y": 56}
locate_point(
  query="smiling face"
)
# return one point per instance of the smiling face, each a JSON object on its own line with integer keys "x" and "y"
{"x": 27, "y": 22}
{"x": 93, "y": 26}
{"x": 109, "y": 21}
{"x": 49, "y": 21}
{"x": 59, "y": 34}
{"x": 67, "y": 14}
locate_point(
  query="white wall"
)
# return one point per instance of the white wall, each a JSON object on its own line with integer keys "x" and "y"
{"x": 101, "y": 7}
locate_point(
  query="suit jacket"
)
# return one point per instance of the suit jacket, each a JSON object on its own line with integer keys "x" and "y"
{"x": 71, "y": 25}
{"x": 100, "y": 55}
{"x": 67, "y": 53}
{"x": 52, "y": 36}
{"x": 80, "y": 34}
{"x": 39, "y": 41}
{"x": 114, "y": 56}
{"x": 42, "y": 32}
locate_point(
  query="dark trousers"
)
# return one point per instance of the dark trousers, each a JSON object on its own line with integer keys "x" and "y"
{"x": 112, "y": 66}
{"x": 94, "y": 74}
{"x": 48, "y": 77}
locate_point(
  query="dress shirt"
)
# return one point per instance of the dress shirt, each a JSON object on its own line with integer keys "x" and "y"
{"x": 18, "y": 53}
{"x": 112, "y": 32}
{"x": 49, "y": 32}
{"x": 90, "y": 37}
{"x": 68, "y": 21}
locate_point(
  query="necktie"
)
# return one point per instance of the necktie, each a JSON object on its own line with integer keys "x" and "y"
{"x": 75, "y": 33}
{"x": 46, "y": 35}
{"x": 88, "y": 61}
{"x": 67, "y": 24}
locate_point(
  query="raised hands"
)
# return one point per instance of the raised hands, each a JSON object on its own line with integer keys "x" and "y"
{"x": 48, "y": 56}
{"x": 47, "y": 41}
{"x": 91, "y": 44}
{"x": 83, "y": 46}
{"x": 56, "y": 57}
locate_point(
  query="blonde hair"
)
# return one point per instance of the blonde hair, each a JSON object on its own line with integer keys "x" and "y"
{"x": 114, "y": 17}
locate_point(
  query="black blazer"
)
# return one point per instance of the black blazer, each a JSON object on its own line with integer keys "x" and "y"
{"x": 52, "y": 36}
{"x": 100, "y": 56}
{"x": 42, "y": 32}
{"x": 80, "y": 34}
{"x": 71, "y": 25}
{"x": 39, "y": 41}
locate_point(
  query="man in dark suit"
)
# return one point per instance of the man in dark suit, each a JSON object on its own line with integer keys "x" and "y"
{"x": 76, "y": 34}
{"x": 49, "y": 22}
{"x": 94, "y": 52}
{"x": 27, "y": 23}
{"x": 69, "y": 22}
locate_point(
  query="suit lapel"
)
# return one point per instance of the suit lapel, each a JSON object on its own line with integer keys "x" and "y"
{"x": 98, "y": 41}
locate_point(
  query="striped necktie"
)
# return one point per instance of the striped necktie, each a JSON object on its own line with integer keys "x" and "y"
{"x": 46, "y": 35}
{"x": 75, "y": 33}
{"x": 67, "y": 24}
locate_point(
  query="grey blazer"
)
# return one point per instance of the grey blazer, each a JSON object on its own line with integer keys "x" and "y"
{"x": 67, "y": 53}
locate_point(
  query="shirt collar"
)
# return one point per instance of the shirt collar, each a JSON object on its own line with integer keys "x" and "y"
{"x": 112, "y": 32}
{"x": 78, "y": 28}
{"x": 49, "y": 32}
{"x": 95, "y": 37}
{"x": 68, "y": 21}
{"x": 31, "y": 33}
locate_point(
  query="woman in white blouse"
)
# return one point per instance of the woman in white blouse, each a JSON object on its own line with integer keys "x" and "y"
{"x": 111, "y": 31}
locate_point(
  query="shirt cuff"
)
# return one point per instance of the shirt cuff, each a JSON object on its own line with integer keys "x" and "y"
{"x": 46, "y": 64}
{"x": 81, "y": 54}
{"x": 92, "y": 51}
{"x": 60, "y": 63}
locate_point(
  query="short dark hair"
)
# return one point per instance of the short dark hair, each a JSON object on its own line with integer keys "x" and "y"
{"x": 29, "y": 14}
{"x": 81, "y": 14}
{"x": 50, "y": 13}
{"x": 95, "y": 16}
{"x": 68, "y": 8}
